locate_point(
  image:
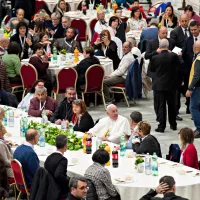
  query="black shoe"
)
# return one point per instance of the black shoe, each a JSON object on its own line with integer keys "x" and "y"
{"x": 178, "y": 118}
{"x": 159, "y": 130}
{"x": 196, "y": 134}
{"x": 188, "y": 110}
{"x": 174, "y": 128}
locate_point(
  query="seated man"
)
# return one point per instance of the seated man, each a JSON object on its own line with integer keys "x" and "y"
{"x": 12, "y": 24}
{"x": 56, "y": 165}
{"x": 119, "y": 75}
{"x": 26, "y": 155}
{"x": 42, "y": 102}
{"x": 78, "y": 188}
{"x": 136, "y": 117}
{"x": 110, "y": 128}
{"x": 101, "y": 24}
{"x": 64, "y": 110}
{"x": 166, "y": 187}
{"x": 147, "y": 143}
{"x": 68, "y": 43}
{"x": 4, "y": 42}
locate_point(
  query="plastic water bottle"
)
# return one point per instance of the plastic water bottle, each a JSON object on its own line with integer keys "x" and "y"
{"x": 98, "y": 143}
{"x": 154, "y": 165}
{"x": 71, "y": 128}
{"x": 11, "y": 118}
{"x": 23, "y": 126}
{"x": 2, "y": 29}
{"x": 148, "y": 164}
{"x": 122, "y": 145}
{"x": 44, "y": 117}
{"x": 63, "y": 125}
{"x": 55, "y": 57}
{"x": 48, "y": 53}
{"x": 42, "y": 138}
{"x": 5, "y": 119}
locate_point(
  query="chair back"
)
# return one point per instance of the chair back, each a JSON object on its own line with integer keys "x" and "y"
{"x": 104, "y": 3}
{"x": 94, "y": 38}
{"x": 39, "y": 4}
{"x": 94, "y": 79}
{"x": 68, "y": 6}
{"x": 92, "y": 25}
{"x": 124, "y": 19}
{"x": 6, "y": 19}
{"x": 28, "y": 75}
{"x": 18, "y": 175}
{"x": 81, "y": 25}
{"x": 79, "y": 7}
{"x": 66, "y": 77}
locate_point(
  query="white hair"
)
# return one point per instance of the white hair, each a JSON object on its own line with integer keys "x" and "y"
{"x": 164, "y": 43}
{"x": 40, "y": 89}
{"x": 110, "y": 106}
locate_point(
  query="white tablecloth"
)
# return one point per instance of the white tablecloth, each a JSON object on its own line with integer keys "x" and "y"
{"x": 187, "y": 185}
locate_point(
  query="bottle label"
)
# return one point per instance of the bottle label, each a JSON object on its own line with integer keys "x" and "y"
{"x": 88, "y": 143}
{"x": 115, "y": 156}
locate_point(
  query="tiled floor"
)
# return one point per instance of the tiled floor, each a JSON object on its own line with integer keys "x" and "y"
{"x": 145, "y": 106}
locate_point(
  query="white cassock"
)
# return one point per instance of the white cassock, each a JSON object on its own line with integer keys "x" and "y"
{"x": 116, "y": 128}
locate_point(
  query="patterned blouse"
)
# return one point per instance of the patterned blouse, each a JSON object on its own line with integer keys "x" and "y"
{"x": 136, "y": 24}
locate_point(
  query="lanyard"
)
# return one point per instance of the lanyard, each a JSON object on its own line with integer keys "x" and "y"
{"x": 42, "y": 107}
{"x": 22, "y": 44}
{"x": 70, "y": 45}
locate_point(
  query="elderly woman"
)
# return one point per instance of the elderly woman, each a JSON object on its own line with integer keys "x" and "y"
{"x": 100, "y": 176}
{"x": 146, "y": 143}
{"x": 61, "y": 7}
{"x": 81, "y": 68}
{"x": 136, "y": 22}
{"x": 81, "y": 119}
{"x": 189, "y": 155}
{"x": 107, "y": 47}
{"x": 12, "y": 63}
{"x": 168, "y": 19}
{"x": 25, "y": 103}
{"x": 24, "y": 39}
{"x": 5, "y": 151}
{"x": 41, "y": 64}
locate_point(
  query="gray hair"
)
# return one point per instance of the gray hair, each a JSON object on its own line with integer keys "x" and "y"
{"x": 40, "y": 89}
{"x": 164, "y": 43}
{"x": 73, "y": 183}
{"x": 67, "y": 18}
{"x": 56, "y": 14}
{"x": 132, "y": 40}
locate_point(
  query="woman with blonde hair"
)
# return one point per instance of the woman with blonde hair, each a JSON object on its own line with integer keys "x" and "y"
{"x": 189, "y": 155}
{"x": 145, "y": 142}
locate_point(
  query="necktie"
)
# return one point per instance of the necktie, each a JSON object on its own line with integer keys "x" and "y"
{"x": 196, "y": 39}
{"x": 186, "y": 33}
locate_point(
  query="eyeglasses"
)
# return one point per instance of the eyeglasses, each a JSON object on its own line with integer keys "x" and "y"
{"x": 77, "y": 101}
{"x": 84, "y": 188}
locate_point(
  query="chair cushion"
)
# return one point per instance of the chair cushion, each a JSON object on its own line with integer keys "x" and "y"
{"x": 119, "y": 85}
{"x": 15, "y": 84}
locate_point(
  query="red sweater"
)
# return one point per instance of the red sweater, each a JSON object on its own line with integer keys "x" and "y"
{"x": 190, "y": 157}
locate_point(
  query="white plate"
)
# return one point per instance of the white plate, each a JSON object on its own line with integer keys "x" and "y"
{"x": 73, "y": 162}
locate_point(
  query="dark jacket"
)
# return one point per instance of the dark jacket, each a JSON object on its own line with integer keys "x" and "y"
{"x": 174, "y": 21}
{"x": 3, "y": 178}
{"x": 63, "y": 111}
{"x": 15, "y": 38}
{"x": 133, "y": 81}
{"x": 56, "y": 165}
{"x": 34, "y": 108}
{"x": 29, "y": 161}
{"x": 148, "y": 145}
{"x": 165, "y": 66}
{"x": 71, "y": 197}
{"x": 85, "y": 123}
{"x": 4, "y": 99}
{"x": 178, "y": 36}
{"x": 167, "y": 196}
{"x": 59, "y": 29}
{"x": 44, "y": 187}
{"x": 151, "y": 51}
{"x": 82, "y": 67}
{"x": 121, "y": 29}
{"x": 111, "y": 53}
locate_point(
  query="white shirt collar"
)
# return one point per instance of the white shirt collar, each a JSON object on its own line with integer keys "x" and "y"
{"x": 144, "y": 137}
{"x": 59, "y": 152}
{"x": 198, "y": 38}
{"x": 188, "y": 33}
{"x": 28, "y": 144}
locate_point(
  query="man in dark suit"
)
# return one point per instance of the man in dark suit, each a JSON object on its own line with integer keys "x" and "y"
{"x": 166, "y": 187}
{"x": 188, "y": 57}
{"x": 165, "y": 66}
{"x": 180, "y": 34}
{"x": 153, "y": 49}
{"x": 56, "y": 165}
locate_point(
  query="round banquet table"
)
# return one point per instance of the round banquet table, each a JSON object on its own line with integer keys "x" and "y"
{"x": 187, "y": 185}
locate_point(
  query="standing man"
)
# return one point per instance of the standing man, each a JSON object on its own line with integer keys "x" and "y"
{"x": 26, "y": 155}
{"x": 164, "y": 84}
{"x": 194, "y": 89}
{"x": 64, "y": 110}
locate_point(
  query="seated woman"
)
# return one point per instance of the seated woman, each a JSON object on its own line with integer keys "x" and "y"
{"x": 41, "y": 64}
{"x": 5, "y": 151}
{"x": 81, "y": 119}
{"x": 147, "y": 143}
{"x": 136, "y": 22}
{"x": 81, "y": 68}
{"x": 168, "y": 19}
{"x": 107, "y": 47}
{"x": 136, "y": 3}
{"x": 12, "y": 63}
{"x": 25, "y": 103}
{"x": 189, "y": 155}
{"x": 42, "y": 102}
{"x": 100, "y": 176}
{"x": 61, "y": 7}
{"x": 24, "y": 39}
{"x": 44, "y": 40}
{"x": 113, "y": 25}
{"x": 191, "y": 14}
